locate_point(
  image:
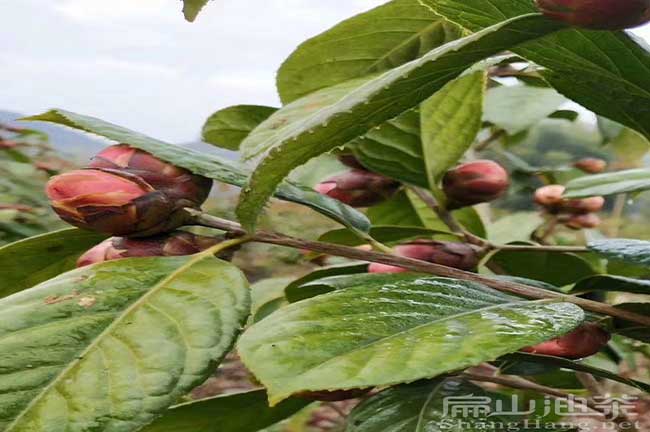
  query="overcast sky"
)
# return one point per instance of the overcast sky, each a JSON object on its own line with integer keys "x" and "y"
{"x": 137, "y": 63}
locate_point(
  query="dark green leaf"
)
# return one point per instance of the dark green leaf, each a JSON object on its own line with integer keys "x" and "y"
{"x": 628, "y": 250}
{"x": 613, "y": 183}
{"x": 372, "y": 103}
{"x": 239, "y": 412}
{"x": 360, "y": 336}
{"x": 303, "y": 288}
{"x": 613, "y": 283}
{"x": 268, "y": 296}
{"x": 576, "y": 366}
{"x": 397, "y": 211}
{"x": 424, "y": 406}
{"x": 557, "y": 269}
{"x": 31, "y": 261}
{"x": 124, "y": 340}
{"x": 633, "y": 330}
{"x": 228, "y": 127}
{"x": 578, "y": 61}
{"x": 384, "y": 234}
{"x": 401, "y": 31}
{"x": 206, "y": 165}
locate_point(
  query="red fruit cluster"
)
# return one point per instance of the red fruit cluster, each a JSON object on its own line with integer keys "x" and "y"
{"x": 175, "y": 244}
{"x": 358, "y": 188}
{"x": 586, "y": 341}
{"x": 127, "y": 192}
{"x": 598, "y": 14}
{"x": 474, "y": 183}
{"x": 458, "y": 255}
{"x": 574, "y": 213}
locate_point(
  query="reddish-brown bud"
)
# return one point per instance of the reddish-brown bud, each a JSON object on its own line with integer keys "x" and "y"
{"x": 177, "y": 183}
{"x": 584, "y": 205}
{"x": 583, "y": 221}
{"x": 333, "y": 396}
{"x": 550, "y": 196}
{"x": 7, "y": 144}
{"x": 458, "y": 255}
{"x": 598, "y": 14}
{"x": 586, "y": 341}
{"x": 358, "y": 188}
{"x": 112, "y": 202}
{"x": 475, "y": 182}
{"x": 591, "y": 165}
{"x": 175, "y": 244}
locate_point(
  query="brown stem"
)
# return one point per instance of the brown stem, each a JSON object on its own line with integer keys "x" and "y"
{"x": 489, "y": 140}
{"x": 515, "y": 288}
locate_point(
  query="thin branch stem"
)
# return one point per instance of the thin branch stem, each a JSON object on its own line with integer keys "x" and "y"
{"x": 542, "y": 248}
{"x": 489, "y": 140}
{"x": 515, "y": 288}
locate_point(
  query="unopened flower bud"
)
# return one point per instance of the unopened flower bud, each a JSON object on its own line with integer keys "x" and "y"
{"x": 591, "y": 165}
{"x": 7, "y": 144}
{"x": 458, "y": 255}
{"x": 177, "y": 183}
{"x": 175, "y": 244}
{"x": 550, "y": 196}
{"x": 358, "y": 188}
{"x": 583, "y": 221}
{"x": 586, "y": 341}
{"x": 598, "y": 14}
{"x": 475, "y": 182}
{"x": 584, "y": 205}
{"x": 113, "y": 202}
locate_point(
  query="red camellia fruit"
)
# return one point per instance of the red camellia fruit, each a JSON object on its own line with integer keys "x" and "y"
{"x": 584, "y": 205}
{"x": 177, "y": 183}
{"x": 550, "y": 196}
{"x": 586, "y": 341}
{"x": 475, "y": 182}
{"x": 591, "y": 165}
{"x": 458, "y": 255}
{"x": 175, "y": 244}
{"x": 358, "y": 188}
{"x": 598, "y": 14}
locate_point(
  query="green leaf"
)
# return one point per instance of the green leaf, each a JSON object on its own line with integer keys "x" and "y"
{"x": 576, "y": 366}
{"x": 373, "y": 103}
{"x": 627, "y": 250}
{"x": 28, "y": 262}
{"x": 386, "y": 234}
{"x": 424, "y": 406}
{"x": 517, "y": 108}
{"x": 360, "y": 336}
{"x": 450, "y": 120}
{"x": 191, "y": 8}
{"x": 394, "y": 149}
{"x": 206, "y": 165}
{"x": 114, "y": 345}
{"x": 613, "y": 183}
{"x": 514, "y": 227}
{"x": 578, "y": 61}
{"x": 268, "y": 296}
{"x": 302, "y": 288}
{"x": 557, "y": 269}
{"x": 228, "y": 127}
{"x": 468, "y": 217}
{"x": 613, "y": 283}
{"x": 634, "y": 330}
{"x": 396, "y": 211}
{"x": 375, "y": 41}
{"x": 239, "y": 412}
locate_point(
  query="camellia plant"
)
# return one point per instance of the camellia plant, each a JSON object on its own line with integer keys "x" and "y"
{"x": 446, "y": 300}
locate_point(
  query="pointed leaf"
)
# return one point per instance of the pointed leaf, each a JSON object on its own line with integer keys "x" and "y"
{"x": 385, "y": 234}
{"x": 377, "y": 333}
{"x": 578, "y": 61}
{"x": 450, "y": 121}
{"x": 402, "y": 30}
{"x": 302, "y": 288}
{"x": 228, "y": 127}
{"x": 628, "y": 250}
{"x": 206, "y": 165}
{"x": 609, "y": 283}
{"x": 239, "y": 412}
{"x": 28, "y": 262}
{"x": 112, "y": 346}
{"x": 636, "y": 180}
{"x": 375, "y": 102}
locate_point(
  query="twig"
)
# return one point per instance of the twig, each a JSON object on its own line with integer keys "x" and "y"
{"x": 542, "y": 248}
{"x": 515, "y": 288}
{"x": 489, "y": 140}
